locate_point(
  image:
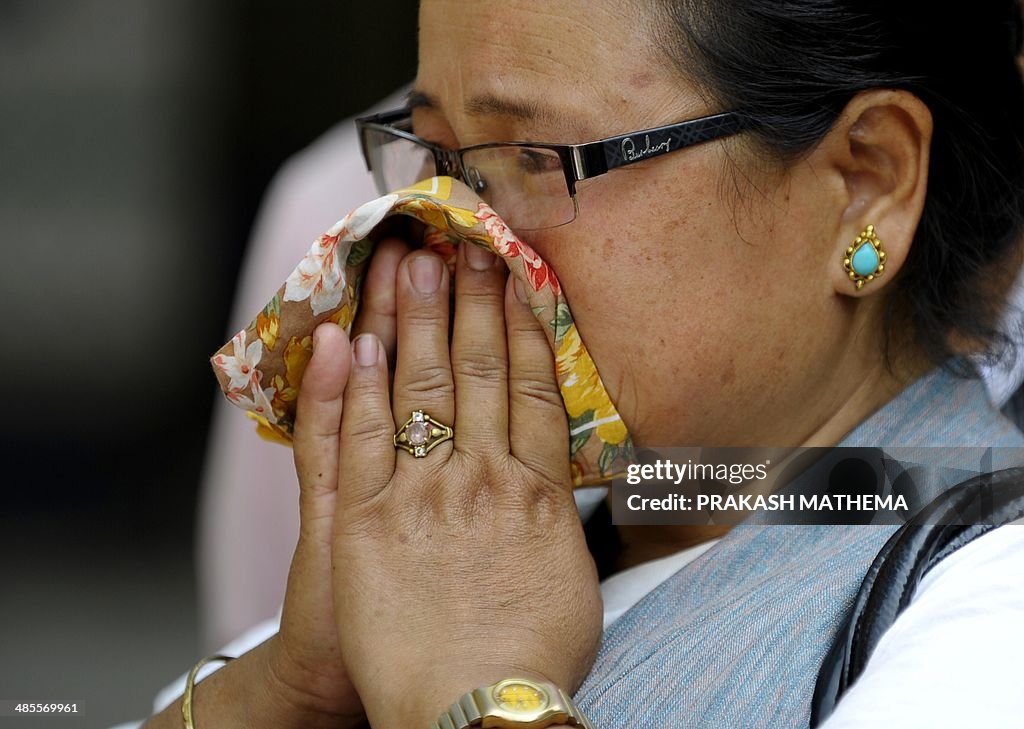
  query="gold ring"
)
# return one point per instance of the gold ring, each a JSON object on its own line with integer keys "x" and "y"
{"x": 421, "y": 433}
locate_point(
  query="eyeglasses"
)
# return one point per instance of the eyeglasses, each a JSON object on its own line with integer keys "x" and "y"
{"x": 531, "y": 185}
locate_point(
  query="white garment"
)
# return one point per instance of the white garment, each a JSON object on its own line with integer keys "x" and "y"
{"x": 624, "y": 589}
{"x": 952, "y": 659}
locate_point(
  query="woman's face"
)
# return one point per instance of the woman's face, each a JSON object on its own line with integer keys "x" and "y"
{"x": 700, "y": 282}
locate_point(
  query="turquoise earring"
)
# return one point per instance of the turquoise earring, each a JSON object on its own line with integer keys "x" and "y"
{"x": 865, "y": 259}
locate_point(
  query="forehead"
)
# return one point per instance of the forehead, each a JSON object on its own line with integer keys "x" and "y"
{"x": 592, "y": 63}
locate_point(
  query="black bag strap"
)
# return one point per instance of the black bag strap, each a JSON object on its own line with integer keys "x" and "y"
{"x": 957, "y": 517}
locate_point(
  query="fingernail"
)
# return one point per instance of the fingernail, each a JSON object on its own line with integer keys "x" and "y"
{"x": 477, "y": 258}
{"x": 366, "y": 350}
{"x": 520, "y": 291}
{"x": 426, "y": 273}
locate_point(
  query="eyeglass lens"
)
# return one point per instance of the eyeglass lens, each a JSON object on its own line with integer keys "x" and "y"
{"x": 524, "y": 185}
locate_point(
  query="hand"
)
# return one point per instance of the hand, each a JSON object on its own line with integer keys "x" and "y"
{"x": 469, "y": 565}
{"x": 305, "y": 658}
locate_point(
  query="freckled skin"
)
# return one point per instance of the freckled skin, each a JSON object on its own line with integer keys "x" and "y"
{"x": 711, "y": 309}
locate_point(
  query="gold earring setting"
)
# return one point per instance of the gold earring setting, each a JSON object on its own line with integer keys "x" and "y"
{"x": 865, "y": 258}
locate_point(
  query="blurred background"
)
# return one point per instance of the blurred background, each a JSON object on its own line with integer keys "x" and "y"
{"x": 136, "y": 140}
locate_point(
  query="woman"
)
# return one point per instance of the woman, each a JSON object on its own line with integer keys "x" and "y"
{"x": 716, "y": 292}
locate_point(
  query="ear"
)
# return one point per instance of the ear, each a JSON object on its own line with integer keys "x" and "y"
{"x": 879, "y": 148}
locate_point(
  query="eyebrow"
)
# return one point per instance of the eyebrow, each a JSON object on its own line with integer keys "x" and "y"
{"x": 492, "y": 105}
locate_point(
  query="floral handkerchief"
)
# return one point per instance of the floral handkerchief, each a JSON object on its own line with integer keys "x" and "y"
{"x": 260, "y": 369}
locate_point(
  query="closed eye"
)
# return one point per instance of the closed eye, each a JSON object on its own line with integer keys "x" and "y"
{"x": 535, "y": 162}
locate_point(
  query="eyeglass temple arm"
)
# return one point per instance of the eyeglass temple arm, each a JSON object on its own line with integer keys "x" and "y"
{"x": 384, "y": 117}
{"x": 596, "y": 158}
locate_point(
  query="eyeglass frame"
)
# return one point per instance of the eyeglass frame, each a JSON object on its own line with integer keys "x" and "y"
{"x": 579, "y": 161}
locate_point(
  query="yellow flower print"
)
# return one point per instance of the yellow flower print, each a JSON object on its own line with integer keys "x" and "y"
{"x": 296, "y": 356}
{"x": 582, "y": 389}
{"x": 285, "y": 390}
{"x": 577, "y": 471}
{"x": 343, "y": 316}
{"x": 427, "y": 211}
{"x": 613, "y": 432}
{"x": 439, "y": 187}
{"x": 270, "y": 431}
{"x": 461, "y": 217}
{"x": 284, "y": 394}
{"x": 442, "y": 217}
{"x": 268, "y": 326}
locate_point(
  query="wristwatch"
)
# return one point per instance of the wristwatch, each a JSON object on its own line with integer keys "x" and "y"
{"x": 513, "y": 703}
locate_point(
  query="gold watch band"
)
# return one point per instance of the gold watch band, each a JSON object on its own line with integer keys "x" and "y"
{"x": 485, "y": 703}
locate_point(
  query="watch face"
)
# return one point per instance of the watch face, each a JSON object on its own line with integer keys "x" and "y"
{"x": 520, "y": 697}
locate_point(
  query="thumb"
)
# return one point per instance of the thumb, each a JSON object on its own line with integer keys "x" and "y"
{"x": 317, "y": 427}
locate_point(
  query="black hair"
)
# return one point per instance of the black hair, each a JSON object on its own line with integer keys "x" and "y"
{"x": 793, "y": 65}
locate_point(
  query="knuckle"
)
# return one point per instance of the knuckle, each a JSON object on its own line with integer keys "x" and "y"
{"x": 481, "y": 293}
{"x": 420, "y": 493}
{"x": 482, "y": 365}
{"x": 544, "y": 495}
{"x": 508, "y": 489}
{"x": 524, "y": 325}
{"x": 305, "y": 434}
{"x": 535, "y": 388}
{"x": 425, "y": 316}
{"x": 365, "y": 384}
{"x": 431, "y": 499}
{"x": 470, "y": 496}
{"x": 431, "y": 379}
{"x": 370, "y": 429}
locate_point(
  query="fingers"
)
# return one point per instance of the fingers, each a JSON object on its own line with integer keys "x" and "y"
{"x": 318, "y": 424}
{"x": 538, "y": 430}
{"x": 423, "y": 377}
{"x": 479, "y": 355}
{"x": 379, "y": 305}
{"x": 367, "y": 451}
